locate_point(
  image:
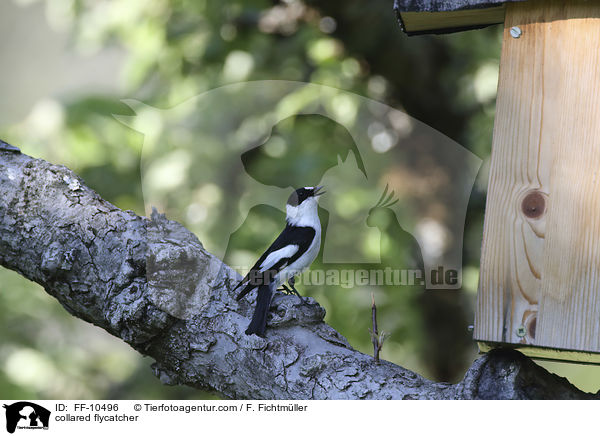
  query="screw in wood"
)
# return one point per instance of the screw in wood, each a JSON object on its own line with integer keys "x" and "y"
{"x": 516, "y": 32}
{"x": 521, "y": 331}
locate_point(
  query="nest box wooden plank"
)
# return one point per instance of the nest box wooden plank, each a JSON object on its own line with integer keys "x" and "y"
{"x": 539, "y": 286}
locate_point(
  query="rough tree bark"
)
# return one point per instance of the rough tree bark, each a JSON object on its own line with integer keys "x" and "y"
{"x": 150, "y": 282}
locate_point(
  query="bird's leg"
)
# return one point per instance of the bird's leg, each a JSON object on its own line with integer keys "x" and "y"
{"x": 285, "y": 289}
{"x": 288, "y": 291}
{"x": 294, "y": 291}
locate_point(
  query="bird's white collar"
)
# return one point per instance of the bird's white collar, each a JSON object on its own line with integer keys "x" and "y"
{"x": 304, "y": 215}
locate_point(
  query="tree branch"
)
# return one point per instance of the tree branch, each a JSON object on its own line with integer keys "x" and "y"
{"x": 152, "y": 284}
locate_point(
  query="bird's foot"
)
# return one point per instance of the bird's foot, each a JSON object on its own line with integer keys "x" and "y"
{"x": 284, "y": 289}
{"x": 287, "y": 291}
{"x": 295, "y": 291}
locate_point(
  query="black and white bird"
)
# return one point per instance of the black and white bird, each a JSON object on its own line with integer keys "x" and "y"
{"x": 292, "y": 252}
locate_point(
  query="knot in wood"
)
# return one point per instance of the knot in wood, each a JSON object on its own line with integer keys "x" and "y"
{"x": 531, "y": 327}
{"x": 533, "y": 205}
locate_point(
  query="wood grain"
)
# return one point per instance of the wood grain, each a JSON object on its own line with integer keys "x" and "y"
{"x": 540, "y": 266}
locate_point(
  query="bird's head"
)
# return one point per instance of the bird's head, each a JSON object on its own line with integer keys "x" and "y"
{"x": 302, "y": 205}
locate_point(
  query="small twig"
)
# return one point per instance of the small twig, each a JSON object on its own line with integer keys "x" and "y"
{"x": 374, "y": 332}
{"x": 376, "y": 338}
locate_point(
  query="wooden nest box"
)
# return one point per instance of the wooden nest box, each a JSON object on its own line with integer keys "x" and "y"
{"x": 539, "y": 285}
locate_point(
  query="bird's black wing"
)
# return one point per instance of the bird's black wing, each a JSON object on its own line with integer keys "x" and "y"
{"x": 290, "y": 236}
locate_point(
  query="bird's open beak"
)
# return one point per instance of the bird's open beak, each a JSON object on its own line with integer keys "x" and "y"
{"x": 317, "y": 191}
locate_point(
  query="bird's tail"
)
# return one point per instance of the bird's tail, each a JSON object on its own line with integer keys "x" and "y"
{"x": 259, "y": 318}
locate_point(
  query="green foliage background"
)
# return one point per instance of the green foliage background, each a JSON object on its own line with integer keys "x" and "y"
{"x": 176, "y": 49}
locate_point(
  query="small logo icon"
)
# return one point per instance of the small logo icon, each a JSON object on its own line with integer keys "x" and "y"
{"x": 26, "y": 415}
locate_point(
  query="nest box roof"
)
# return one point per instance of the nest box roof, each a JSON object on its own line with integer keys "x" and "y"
{"x": 444, "y": 16}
